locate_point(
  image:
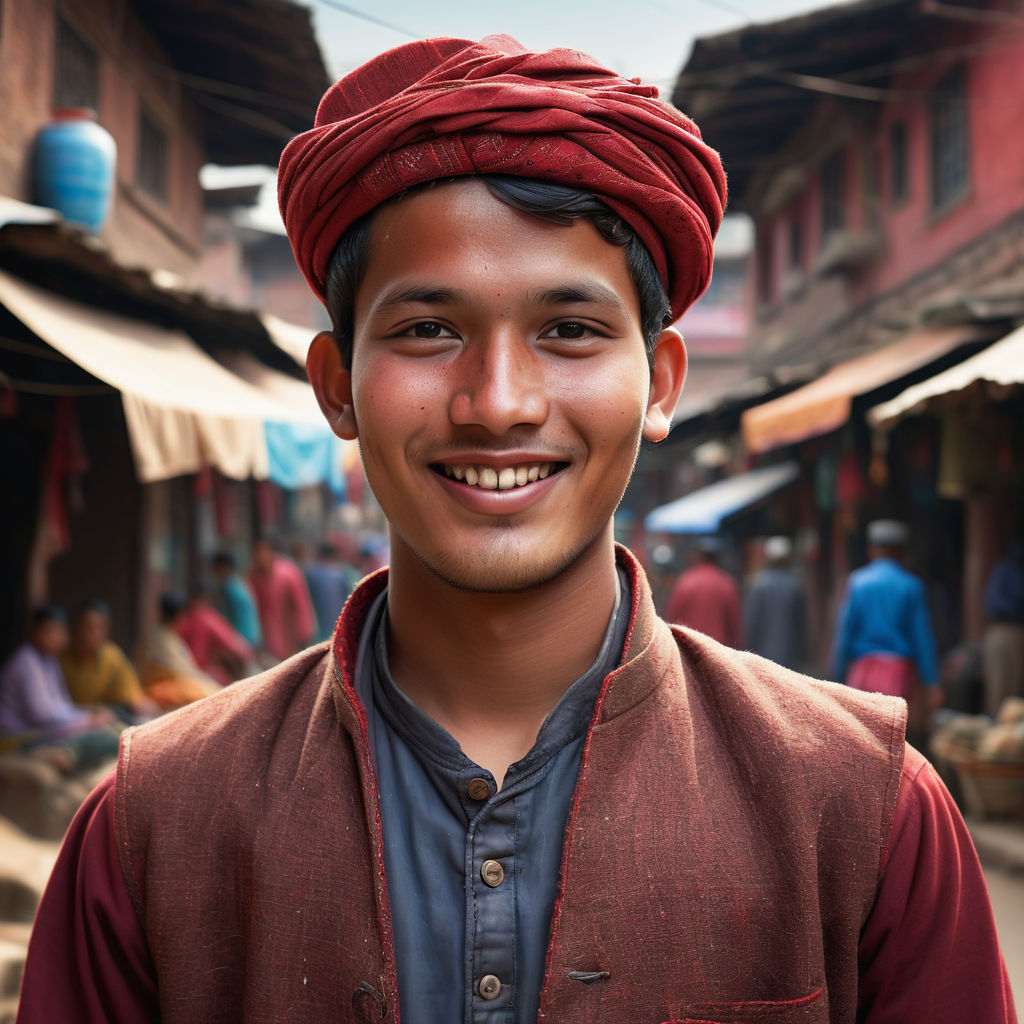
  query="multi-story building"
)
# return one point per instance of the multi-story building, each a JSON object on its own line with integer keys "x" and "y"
{"x": 117, "y": 463}
{"x": 875, "y": 146}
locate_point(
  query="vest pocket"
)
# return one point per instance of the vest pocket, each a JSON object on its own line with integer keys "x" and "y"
{"x": 809, "y": 1009}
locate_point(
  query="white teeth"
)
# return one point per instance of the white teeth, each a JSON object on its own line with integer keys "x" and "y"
{"x": 504, "y": 479}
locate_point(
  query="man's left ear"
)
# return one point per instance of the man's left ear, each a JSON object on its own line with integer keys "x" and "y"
{"x": 666, "y": 384}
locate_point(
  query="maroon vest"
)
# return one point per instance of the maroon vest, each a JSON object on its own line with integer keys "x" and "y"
{"x": 721, "y": 854}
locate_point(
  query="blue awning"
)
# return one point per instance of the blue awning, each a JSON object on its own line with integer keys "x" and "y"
{"x": 703, "y": 510}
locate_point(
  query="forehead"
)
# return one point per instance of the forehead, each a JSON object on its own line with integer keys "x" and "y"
{"x": 458, "y": 234}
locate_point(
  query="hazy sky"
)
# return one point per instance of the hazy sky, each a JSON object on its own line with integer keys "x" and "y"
{"x": 649, "y": 38}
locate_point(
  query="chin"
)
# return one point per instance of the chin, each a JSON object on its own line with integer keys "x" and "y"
{"x": 505, "y": 572}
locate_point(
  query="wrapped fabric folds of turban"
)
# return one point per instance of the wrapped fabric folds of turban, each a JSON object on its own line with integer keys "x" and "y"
{"x": 443, "y": 108}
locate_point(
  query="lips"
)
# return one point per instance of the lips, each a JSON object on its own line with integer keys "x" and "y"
{"x": 494, "y": 478}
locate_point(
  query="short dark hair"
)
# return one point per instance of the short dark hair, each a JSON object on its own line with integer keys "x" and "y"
{"x": 549, "y": 200}
{"x": 225, "y": 559}
{"x": 48, "y": 613}
{"x": 93, "y": 604}
{"x": 172, "y": 604}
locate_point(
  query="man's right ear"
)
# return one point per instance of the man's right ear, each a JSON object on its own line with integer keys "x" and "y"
{"x": 332, "y": 384}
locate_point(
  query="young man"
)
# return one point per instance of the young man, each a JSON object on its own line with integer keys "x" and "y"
{"x": 506, "y": 791}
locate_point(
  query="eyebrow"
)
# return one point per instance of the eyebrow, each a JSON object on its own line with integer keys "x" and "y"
{"x": 589, "y": 293}
{"x": 422, "y": 294}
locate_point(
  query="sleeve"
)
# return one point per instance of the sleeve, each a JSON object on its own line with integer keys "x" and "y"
{"x": 923, "y": 639}
{"x": 841, "y": 639}
{"x": 302, "y": 603}
{"x": 88, "y": 961}
{"x": 125, "y": 687}
{"x": 928, "y": 952}
{"x": 226, "y": 636}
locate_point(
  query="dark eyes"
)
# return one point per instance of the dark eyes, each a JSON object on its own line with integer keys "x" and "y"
{"x": 570, "y": 330}
{"x": 428, "y": 329}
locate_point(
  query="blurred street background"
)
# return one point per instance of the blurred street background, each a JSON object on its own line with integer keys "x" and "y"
{"x": 170, "y": 483}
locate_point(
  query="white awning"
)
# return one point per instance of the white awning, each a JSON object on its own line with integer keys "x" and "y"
{"x": 703, "y": 511}
{"x": 290, "y": 338}
{"x": 997, "y": 369}
{"x": 184, "y": 410}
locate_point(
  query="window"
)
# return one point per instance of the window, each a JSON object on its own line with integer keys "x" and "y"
{"x": 765, "y": 263}
{"x": 151, "y": 157}
{"x": 947, "y": 116}
{"x": 796, "y": 244}
{"x": 76, "y": 70}
{"x": 833, "y": 194}
{"x": 898, "y": 163}
{"x": 869, "y": 187}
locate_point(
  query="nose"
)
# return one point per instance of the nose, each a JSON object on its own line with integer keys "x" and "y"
{"x": 499, "y": 386}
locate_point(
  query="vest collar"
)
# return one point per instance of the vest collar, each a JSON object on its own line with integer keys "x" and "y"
{"x": 648, "y": 647}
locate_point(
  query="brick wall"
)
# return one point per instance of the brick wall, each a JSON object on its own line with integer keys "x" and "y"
{"x": 134, "y": 73}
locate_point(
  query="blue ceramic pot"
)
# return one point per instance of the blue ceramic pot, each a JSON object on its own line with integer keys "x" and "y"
{"x": 74, "y": 167}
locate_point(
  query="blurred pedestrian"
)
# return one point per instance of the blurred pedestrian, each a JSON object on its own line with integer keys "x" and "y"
{"x": 36, "y": 711}
{"x": 1003, "y": 644}
{"x": 883, "y": 638}
{"x": 234, "y": 600}
{"x": 775, "y": 609}
{"x": 706, "y": 597}
{"x": 97, "y": 671}
{"x": 166, "y": 666}
{"x": 330, "y": 581}
{"x": 282, "y": 598}
{"x": 219, "y": 650}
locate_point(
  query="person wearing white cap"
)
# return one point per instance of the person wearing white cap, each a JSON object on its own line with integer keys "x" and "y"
{"x": 883, "y": 638}
{"x": 775, "y": 608}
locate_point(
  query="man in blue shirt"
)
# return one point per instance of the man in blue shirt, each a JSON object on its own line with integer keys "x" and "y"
{"x": 883, "y": 639}
{"x": 234, "y": 600}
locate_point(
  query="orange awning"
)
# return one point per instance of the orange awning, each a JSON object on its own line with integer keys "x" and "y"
{"x": 824, "y": 404}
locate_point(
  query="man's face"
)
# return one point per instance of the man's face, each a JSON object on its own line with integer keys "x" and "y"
{"x": 50, "y": 637}
{"x": 499, "y": 387}
{"x": 92, "y": 628}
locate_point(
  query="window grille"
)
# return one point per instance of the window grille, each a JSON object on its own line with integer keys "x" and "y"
{"x": 898, "y": 189}
{"x": 833, "y": 194}
{"x": 949, "y": 144}
{"x": 151, "y": 157}
{"x": 76, "y": 70}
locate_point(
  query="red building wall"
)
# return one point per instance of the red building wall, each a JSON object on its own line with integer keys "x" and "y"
{"x": 133, "y": 70}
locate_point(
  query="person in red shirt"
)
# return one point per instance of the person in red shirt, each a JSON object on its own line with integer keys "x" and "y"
{"x": 282, "y": 598}
{"x": 706, "y": 598}
{"x": 219, "y": 649}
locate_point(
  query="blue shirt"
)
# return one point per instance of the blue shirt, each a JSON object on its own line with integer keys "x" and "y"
{"x": 472, "y": 871}
{"x": 239, "y": 608}
{"x": 885, "y": 611}
{"x": 1004, "y": 591}
{"x": 329, "y": 587}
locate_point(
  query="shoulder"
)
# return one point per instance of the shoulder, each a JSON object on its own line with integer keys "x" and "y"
{"x": 784, "y": 710}
{"x": 244, "y": 714}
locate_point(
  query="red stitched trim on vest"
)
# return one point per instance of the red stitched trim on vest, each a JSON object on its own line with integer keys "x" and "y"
{"x": 345, "y": 647}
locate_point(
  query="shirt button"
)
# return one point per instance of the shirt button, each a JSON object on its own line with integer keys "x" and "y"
{"x": 488, "y": 986}
{"x": 479, "y": 789}
{"x": 492, "y": 873}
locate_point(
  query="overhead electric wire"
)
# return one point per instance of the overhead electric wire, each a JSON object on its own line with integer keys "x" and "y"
{"x": 356, "y": 13}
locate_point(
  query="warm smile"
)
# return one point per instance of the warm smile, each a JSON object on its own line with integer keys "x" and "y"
{"x": 494, "y": 478}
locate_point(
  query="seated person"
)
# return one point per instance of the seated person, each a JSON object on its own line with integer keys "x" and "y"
{"x": 169, "y": 673}
{"x": 36, "y": 712}
{"x": 218, "y": 648}
{"x": 97, "y": 671}
{"x": 233, "y": 599}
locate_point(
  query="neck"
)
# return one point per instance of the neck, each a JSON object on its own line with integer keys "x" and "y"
{"x": 490, "y": 667}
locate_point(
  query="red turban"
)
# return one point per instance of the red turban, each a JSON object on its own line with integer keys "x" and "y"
{"x": 441, "y": 108}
